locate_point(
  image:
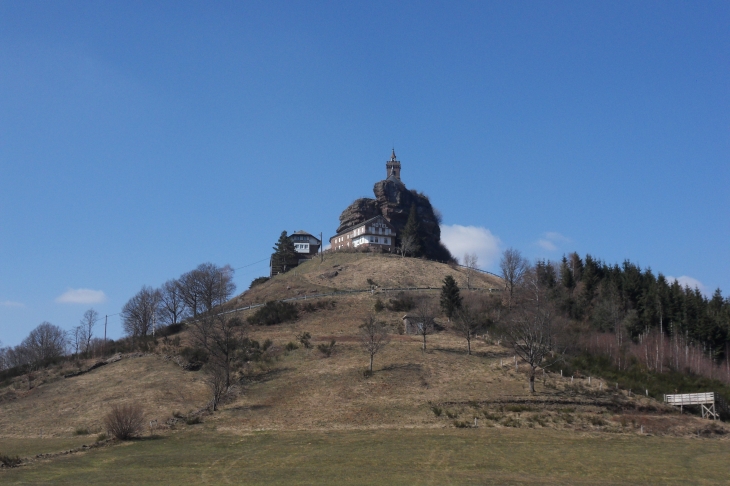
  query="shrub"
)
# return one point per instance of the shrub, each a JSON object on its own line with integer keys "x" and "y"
{"x": 195, "y": 355}
{"x": 10, "y": 461}
{"x": 451, "y": 415}
{"x": 371, "y": 283}
{"x": 81, "y": 431}
{"x": 379, "y": 306}
{"x": 437, "y": 411}
{"x": 401, "y": 303}
{"x": 462, "y": 424}
{"x": 178, "y": 414}
{"x": 101, "y": 437}
{"x": 291, "y": 346}
{"x": 194, "y": 420}
{"x": 258, "y": 281}
{"x": 274, "y": 313}
{"x": 304, "y": 338}
{"x": 367, "y": 373}
{"x": 327, "y": 349}
{"x": 124, "y": 421}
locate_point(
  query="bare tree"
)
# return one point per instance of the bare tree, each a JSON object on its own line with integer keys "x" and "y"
{"x": 87, "y": 324}
{"x": 373, "y": 337}
{"x": 470, "y": 262}
{"x": 172, "y": 305}
{"x": 45, "y": 342}
{"x": 467, "y": 322}
{"x": 206, "y": 287}
{"x": 408, "y": 245}
{"x": 513, "y": 267}
{"x": 532, "y": 327}
{"x": 423, "y": 313}
{"x": 139, "y": 313}
{"x": 215, "y": 379}
{"x": 191, "y": 291}
{"x": 225, "y": 339}
{"x": 77, "y": 339}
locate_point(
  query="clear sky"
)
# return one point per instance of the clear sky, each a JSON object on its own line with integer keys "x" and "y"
{"x": 140, "y": 139}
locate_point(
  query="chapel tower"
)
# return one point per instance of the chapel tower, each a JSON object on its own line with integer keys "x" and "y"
{"x": 393, "y": 167}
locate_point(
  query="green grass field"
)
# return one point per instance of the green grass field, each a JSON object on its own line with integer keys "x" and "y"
{"x": 415, "y": 456}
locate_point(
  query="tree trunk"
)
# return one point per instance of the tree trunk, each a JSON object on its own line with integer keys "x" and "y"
{"x": 532, "y": 380}
{"x": 424, "y": 343}
{"x": 468, "y": 347}
{"x": 371, "y": 363}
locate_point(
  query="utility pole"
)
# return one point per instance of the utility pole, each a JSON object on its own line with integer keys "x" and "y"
{"x": 321, "y": 248}
{"x": 105, "y": 319}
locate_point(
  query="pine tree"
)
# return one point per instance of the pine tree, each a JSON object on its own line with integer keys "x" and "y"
{"x": 450, "y": 298}
{"x": 284, "y": 256}
{"x": 413, "y": 229}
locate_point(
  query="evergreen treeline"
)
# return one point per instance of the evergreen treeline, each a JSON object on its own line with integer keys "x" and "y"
{"x": 627, "y": 298}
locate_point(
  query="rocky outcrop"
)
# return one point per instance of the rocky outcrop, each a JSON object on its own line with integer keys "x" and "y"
{"x": 393, "y": 200}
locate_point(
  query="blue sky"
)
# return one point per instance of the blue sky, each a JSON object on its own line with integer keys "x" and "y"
{"x": 140, "y": 139}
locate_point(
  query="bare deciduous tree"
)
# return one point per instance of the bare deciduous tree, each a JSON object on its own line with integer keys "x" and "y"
{"x": 206, "y": 287}
{"x": 45, "y": 342}
{"x": 532, "y": 327}
{"x": 215, "y": 379}
{"x": 87, "y": 326}
{"x": 470, "y": 262}
{"x": 467, "y": 321}
{"x": 172, "y": 305}
{"x": 408, "y": 245}
{"x": 139, "y": 313}
{"x": 423, "y": 314}
{"x": 373, "y": 337}
{"x": 513, "y": 267}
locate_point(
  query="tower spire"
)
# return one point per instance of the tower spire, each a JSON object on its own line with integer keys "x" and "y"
{"x": 392, "y": 167}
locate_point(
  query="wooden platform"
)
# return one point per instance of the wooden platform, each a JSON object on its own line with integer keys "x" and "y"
{"x": 706, "y": 401}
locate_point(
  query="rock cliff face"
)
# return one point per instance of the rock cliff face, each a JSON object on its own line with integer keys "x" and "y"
{"x": 393, "y": 200}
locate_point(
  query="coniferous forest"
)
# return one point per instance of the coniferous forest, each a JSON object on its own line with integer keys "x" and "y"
{"x": 631, "y": 315}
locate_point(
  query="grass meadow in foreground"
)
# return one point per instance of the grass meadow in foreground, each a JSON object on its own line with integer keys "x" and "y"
{"x": 406, "y": 456}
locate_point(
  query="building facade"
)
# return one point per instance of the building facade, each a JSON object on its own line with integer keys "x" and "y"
{"x": 375, "y": 233}
{"x": 305, "y": 244}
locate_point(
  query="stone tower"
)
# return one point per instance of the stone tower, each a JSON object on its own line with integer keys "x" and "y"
{"x": 393, "y": 167}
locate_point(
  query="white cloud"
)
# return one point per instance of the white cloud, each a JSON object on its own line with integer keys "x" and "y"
{"x": 690, "y": 282}
{"x": 551, "y": 240}
{"x": 546, "y": 245}
{"x": 10, "y": 303}
{"x": 81, "y": 296}
{"x": 471, "y": 239}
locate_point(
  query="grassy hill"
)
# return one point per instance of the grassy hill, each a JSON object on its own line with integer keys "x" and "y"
{"x": 300, "y": 394}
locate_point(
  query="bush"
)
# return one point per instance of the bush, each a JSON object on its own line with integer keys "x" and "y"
{"x": 81, "y": 431}
{"x": 367, "y": 373}
{"x": 462, "y": 424}
{"x": 379, "y": 306}
{"x": 10, "y": 461}
{"x": 437, "y": 411}
{"x": 274, "y": 313}
{"x": 124, "y": 421}
{"x": 258, "y": 281}
{"x": 291, "y": 346}
{"x": 402, "y": 303}
{"x": 194, "y": 420}
{"x": 195, "y": 355}
{"x": 327, "y": 349}
{"x": 304, "y": 338}
{"x": 101, "y": 437}
{"x": 452, "y": 415}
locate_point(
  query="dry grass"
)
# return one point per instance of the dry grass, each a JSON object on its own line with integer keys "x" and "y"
{"x": 60, "y": 407}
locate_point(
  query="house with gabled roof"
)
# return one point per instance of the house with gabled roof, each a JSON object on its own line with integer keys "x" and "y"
{"x": 375, "y": 233}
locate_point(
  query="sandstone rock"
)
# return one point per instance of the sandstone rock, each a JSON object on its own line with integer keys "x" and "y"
{"x": 393, "y": 200}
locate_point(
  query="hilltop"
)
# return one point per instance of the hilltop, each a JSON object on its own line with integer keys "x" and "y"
{"x": 296, "y": 415}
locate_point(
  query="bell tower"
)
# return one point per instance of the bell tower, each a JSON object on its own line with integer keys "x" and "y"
{"x": 393, "y": 167}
